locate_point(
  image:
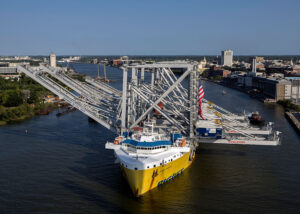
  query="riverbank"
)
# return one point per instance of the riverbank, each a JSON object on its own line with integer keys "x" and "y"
{"x": 222, "y": 84}
{"x": 249, "y": 92}
{"x": 24, "y": 112}
{"x": 292, "y": 111}
{"x": 291, "y": 116}
{"x": 22, "y": 98}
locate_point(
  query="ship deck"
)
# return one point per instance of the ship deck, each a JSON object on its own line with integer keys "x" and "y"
{"x": 137, "y": 161}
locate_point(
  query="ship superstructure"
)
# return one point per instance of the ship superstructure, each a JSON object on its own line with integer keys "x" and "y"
{"x": 149, "y": 158}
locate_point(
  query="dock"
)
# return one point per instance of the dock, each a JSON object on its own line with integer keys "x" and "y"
{"x": 294, "y": 121}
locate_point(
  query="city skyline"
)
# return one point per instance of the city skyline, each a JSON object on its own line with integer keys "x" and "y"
{"x": 143, "y": 28}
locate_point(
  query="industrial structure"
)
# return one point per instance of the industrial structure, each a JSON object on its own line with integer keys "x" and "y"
{"x": 123, "y": 110}
{"x": 156, "y": 119}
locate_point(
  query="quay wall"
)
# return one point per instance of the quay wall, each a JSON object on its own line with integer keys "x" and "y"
{"x": 295, "y": 122}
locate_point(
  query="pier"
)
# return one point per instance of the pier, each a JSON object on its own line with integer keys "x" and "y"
{"x": 294, "y": 121}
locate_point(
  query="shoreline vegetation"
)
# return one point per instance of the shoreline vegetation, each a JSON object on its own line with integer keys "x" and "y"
{"x": 24, "y": 112}
{"x": 288, "y": 105}
{"x": 23, "y": 98}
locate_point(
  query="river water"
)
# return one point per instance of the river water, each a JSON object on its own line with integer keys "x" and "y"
{"x": 61, "y": 166}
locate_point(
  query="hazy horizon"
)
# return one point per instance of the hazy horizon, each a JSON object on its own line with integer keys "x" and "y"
{"x": 140, "y": 55}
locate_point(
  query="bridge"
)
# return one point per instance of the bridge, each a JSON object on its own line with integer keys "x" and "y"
{"x": 164, "y": 97}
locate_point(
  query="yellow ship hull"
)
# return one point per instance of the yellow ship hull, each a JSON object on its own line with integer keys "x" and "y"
{"x": 141, "y": 181}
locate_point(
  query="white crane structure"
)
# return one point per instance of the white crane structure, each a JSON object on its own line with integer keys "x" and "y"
{"x": 164, "y": 97}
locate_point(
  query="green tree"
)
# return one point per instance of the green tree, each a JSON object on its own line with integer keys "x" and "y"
{"x": 34, "y": 98}
{"x": 288, "y": 104}
{"x": 2, "y": 112}
{"x": 11, "y": 98}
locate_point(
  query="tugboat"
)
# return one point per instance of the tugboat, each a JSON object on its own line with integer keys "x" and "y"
{"x": 256, "y": 119}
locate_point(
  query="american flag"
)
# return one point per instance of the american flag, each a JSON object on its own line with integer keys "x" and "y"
{"x": 200, "y": 97}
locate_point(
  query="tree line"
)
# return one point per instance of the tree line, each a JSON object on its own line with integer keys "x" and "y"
{"x": 16, "y": 97}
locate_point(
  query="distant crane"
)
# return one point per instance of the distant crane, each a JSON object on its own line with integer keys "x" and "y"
{"x": 98, "y": 76}
{"x": 105, "y": 79}
{"x": 104, "y": 70}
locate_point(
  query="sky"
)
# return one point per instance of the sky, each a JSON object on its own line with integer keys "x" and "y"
{"x": 152, "y": 27}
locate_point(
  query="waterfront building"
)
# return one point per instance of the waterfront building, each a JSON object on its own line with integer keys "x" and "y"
{"x": 278, "y": 89}
{"x": 295, "y": 89}
{"x": 202, "y": 66}
{"x": 275, "y": 86}
{"x": 222, "y": 72}
{"x": 15, "y": 58}
{"x": 125, "y": 60}
{"x": 245, "y": 65}
{"x": 226, "y": 58}
{"x": 71, "y": 59}
{"x": 259, "y": 59}
{"x": 296, "y": 68}
{"x": 260, "y": 66}
{"x": 9, "y": 72}
{"x": 117, "y": 62}
{"x": 52, "y": 60}
{"x": 95, "y": 61}
{"x": 4, "y": 64}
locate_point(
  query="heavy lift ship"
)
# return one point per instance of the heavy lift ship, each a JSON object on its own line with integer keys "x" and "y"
{"x": 149, "y": 158}
{"x": 152, "y": 151}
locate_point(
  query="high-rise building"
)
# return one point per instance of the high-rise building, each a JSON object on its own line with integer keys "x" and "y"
{"x": 254, "y": 65}
{"x": 226, "y": 58}
{"x": 52, "y": 60}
